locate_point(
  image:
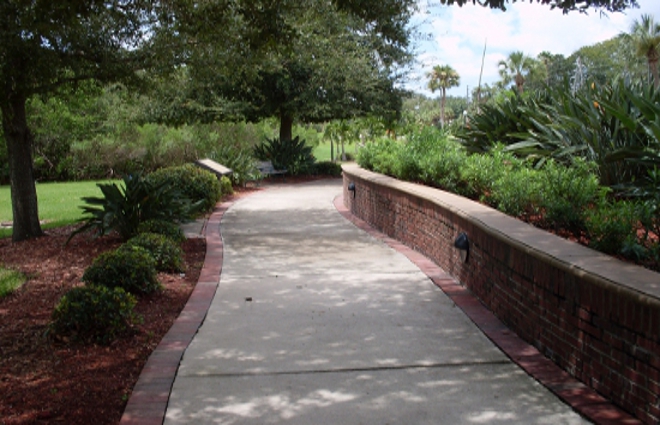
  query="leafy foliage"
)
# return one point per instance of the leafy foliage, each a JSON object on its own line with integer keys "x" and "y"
{"x": 291, "y": 155}
{"x": 122, "y": 209}
{"x": 196, "y": 184}
{"x": 161, "y": 227}
{"x": 327, "y": 168}
{"x": 567, "y": 196}
{"x": 164, "y": 251}
{"x": 615, "y": 126}
{"x": 131, "y": 268}
{"x": 567, "y": 192}
{"x": 93, "y": 314}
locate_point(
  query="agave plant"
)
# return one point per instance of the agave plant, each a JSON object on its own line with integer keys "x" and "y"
{"x": 291, "y": 155}
{"x": 122, "y": 209}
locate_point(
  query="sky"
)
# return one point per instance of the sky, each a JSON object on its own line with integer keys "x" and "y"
{"x": 455, "y": 36}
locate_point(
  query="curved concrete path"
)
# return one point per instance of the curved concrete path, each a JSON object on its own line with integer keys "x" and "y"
{"x": 315, "y": 321}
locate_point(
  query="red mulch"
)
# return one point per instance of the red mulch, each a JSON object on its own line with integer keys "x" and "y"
{"x": 42, "y": 381}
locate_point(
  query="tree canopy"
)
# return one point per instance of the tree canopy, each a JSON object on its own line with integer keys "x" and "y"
{"x": 565, "y": 5}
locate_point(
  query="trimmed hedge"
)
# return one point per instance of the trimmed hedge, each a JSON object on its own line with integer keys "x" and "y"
{"x": 131, "y": 268}
{"x": 163, "y": 250}
{"x": 93, "y": 314}
{"x": 192, "y": 181}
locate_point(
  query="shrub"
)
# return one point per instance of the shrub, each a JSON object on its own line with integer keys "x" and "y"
{"x": 93, "y": 314}
{"x": 611, "y": 226}
{"x": 130, "y": 268}
{"x": 517, "y": 192}
{"x": 195, "y": 183}
{"x": 291, "y": 155}
{"x": 226, "y": 187}
{"x": 164, "y": 251}
{"x": 238, "y": 159}
{"x": 566, "y": 192}
{"x": 122, "y": 209}
{"x": 479, "y": 171}
{"x": 327, "y": 168}
{"x": 165, "y": 228}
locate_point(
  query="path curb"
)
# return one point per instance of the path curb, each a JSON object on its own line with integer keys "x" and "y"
{"x": 148, "y": 402}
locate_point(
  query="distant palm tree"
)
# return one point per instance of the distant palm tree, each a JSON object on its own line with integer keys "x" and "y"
{"x": 443, "y": 77}
{"x": 515, "y": 68}
{"x": 646, "y": 37}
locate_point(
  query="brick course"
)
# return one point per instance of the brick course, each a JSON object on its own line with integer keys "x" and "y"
{"x": 596, "y": 317}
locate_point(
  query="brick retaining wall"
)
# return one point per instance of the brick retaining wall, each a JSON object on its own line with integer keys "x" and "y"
{"x": 596, "y": 317}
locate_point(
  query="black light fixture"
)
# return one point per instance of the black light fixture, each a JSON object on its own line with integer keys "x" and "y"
{"x": 351, "y": 188}
{"x": 463, "y": 244}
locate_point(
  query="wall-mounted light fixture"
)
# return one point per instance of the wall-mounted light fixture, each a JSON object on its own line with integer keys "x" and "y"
{"x": 351, "y": 188}
{"x": 463, "y": 244}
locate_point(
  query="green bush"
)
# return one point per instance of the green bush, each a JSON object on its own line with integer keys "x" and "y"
{"x": 130, "y": 268}
{"x": 164, "y": 251}
{"x": 612, "y": 226}
{"x": 566, "y": 193}
{"x": 517, "y": 192}
{"x": 291, "y": 155}
{"x": 226, "y": 187}
{"x": 93, "y": 314}
{"x": 327, "y": 168}
{"x": 165, "y": 228}
{"x": 195, "y": 183}
{"x": 239, "y": 160}
{"x": 479, "y": 171}
{"x": 122, "y": 209}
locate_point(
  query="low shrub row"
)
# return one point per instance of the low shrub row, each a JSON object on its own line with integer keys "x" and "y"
{"x": 566, "y": 199}
{"x": 102, "y": 309}
{"x": 144, "y": 212}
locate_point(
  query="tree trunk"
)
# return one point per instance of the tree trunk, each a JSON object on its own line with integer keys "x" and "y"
{"x": 520, "y": 83}
{"x": 286, "y": 126}
{"x": 23, "y": 190}
{"x": 442, "y": 107}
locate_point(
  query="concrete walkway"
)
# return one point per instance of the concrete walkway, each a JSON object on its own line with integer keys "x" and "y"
{"x": 315, "y": 321}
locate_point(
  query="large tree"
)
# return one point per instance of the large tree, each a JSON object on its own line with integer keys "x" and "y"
{"x": 323, "y": 60}
{"x": 443, "y": 77}
{"x": 45, "y": 45}
{"x": 646, "y": 37}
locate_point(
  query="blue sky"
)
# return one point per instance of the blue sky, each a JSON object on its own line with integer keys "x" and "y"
{"x": 456, "y": 36}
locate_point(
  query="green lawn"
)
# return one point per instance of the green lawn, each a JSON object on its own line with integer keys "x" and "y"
{"x": 322, "y": 152}
{"x": 9, "y": 281}
{"x": 59, "y": 203}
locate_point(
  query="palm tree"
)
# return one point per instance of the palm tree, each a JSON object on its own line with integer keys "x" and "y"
{"x": 443, "y": 77}
{"x": 646, "y": 37}
{"x": 515, "y": 68}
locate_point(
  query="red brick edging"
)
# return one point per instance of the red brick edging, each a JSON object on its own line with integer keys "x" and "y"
{"x": 581, "y": 398}
{"x": 148, "y": 402}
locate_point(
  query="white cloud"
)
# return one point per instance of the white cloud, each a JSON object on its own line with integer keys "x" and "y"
{"x": 457, "y": 36}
